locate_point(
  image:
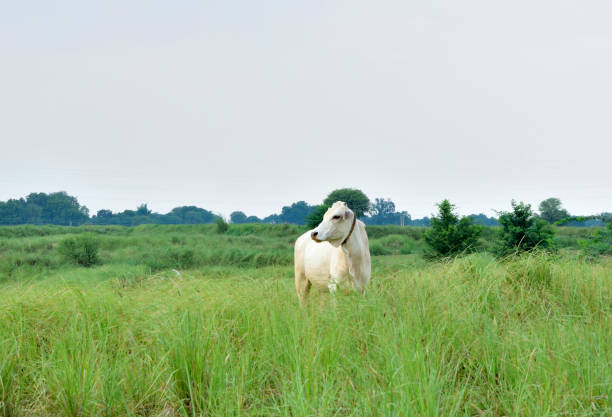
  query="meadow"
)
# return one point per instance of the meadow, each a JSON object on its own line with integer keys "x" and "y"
{"x": 184, "y": 321}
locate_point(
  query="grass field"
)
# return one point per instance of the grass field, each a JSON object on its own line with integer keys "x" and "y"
{"x": 223, "y": 335}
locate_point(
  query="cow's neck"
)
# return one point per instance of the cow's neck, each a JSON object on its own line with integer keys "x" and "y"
{"x": 353, "y": 249}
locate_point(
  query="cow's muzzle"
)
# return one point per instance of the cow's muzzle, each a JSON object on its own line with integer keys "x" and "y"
{"x": 313, "y": 236}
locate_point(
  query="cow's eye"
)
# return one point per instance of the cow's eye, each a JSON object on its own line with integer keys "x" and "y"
{"x": 336, "y": 217}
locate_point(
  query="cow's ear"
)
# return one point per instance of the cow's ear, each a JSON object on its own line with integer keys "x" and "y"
{"x": 347, "y": 214}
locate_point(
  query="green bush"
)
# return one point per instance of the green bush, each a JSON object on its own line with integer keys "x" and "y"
{"x": 522, "y": 230}
{"x": 316, "y": 216}
{"x": 449, "y": 235}
{"x": 599, "y": 243}
{"x": 376, "y": 249}
{"x": 169, "y": 258}
{"x": 222, "y": 225}
{"x": 81, "y": 249}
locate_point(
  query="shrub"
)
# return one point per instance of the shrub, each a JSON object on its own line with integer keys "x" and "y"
{"x": 222, "y": 225}
{"x": 449, "y": 235}
{"x": 599, "y": 243}
{"x": 376, "y": 249}
{"x": 81, "y": 249}
{"x": 523, "y": 231}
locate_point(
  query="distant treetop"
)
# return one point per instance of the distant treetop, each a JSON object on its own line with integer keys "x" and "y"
{"x": 355, "y": 199}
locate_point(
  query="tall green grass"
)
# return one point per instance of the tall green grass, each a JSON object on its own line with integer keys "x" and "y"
{"x": 474, "y": 336}
{"x": 28, "y": 252}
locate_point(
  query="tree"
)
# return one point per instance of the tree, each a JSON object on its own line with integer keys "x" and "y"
{"x": 382, "y": 207}
{"x": 425, "y": 221}
{"x": 383, "y": 212}
{"x": 449, "y": 235}
{"x": 296, "y": 213}
{"x": 54, "y": 208}
{"x": 316, "y": 216}
{"x": 192, "y": 215}
{"x": 12, "y": 211}
{"x": 355, "y": 199}
{"x": 482, "y": 220}
{"x": 522, "y": 230}
{"x": 551, "y": 210}
{"x": 143, "y": 210}
{"x": 104, "y": 214}
{"x": 272, "y": 219}
{"x": 238, "y": 217}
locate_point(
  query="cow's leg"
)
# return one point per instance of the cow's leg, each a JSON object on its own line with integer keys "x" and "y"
{"x": 302, "y": 286}
{"x": 359, "y": 286}
{"x": 332, "y": 286}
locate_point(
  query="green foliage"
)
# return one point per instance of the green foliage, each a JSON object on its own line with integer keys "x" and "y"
{"x": 40, "y": 208}
{"x": 238, "y": 217}
{"x": 383, "y": 212}
{"x": 471, "y": 336}
{"x": 355, "y": 199}
{"x": 586, "y": 221}
{"x": 599, "y": 243}
{"x": 142, "y": 215}
{"x": 414, "y": 232}
{"x": 533, "y": 270}
{"x": 483, "y": 220}
{"x": 398, "y": 245}
{"x": 551, "y": 210}
{"x": 523, "y": 231}
{"x": 296, "y": 213}
{"x": 81, "y": 249}
{"x": 222, "y": 225}
{"x": 449, "y": 235}
{"x": 382, "y": 207}
{"x": 316, "y": 216}
{"x": 31, "y": 251}
{"x": 9, "y": 374}
{"x": 376, "y": 249}
{"x": 143, "y": 210}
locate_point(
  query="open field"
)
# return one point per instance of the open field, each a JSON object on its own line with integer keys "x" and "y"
{"x": 474, "y": 336}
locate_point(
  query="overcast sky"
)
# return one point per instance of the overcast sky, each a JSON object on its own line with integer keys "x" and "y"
{"x": 252, "y": 105}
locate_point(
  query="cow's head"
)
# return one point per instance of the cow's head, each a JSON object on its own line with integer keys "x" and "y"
{"x": 336, "y": 225}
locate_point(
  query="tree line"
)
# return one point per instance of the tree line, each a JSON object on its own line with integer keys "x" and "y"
{"x": 61, "y": 208}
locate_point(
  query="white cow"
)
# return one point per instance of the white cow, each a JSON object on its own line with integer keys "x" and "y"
{"x": 335, "y": 253}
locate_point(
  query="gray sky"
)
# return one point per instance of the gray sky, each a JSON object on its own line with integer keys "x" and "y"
{"x": 243, "y": 105}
